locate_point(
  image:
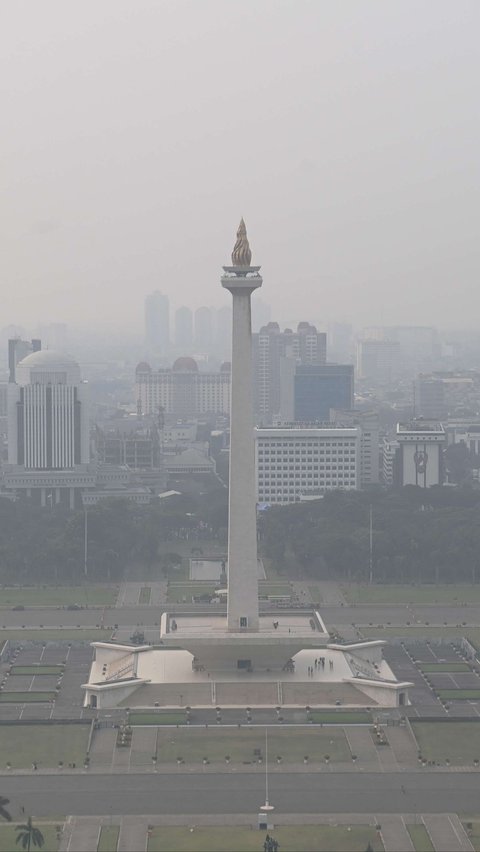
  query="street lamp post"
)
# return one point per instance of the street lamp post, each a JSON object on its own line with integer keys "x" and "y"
{"x": 267, "y": 807}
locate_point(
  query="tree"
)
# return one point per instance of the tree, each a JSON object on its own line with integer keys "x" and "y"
{"x": 28, "y": 835}
{"x": 4, "y": 814}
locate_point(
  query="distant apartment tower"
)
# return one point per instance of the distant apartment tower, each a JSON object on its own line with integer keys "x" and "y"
{"x": 184, "y": 329}
{"x": 182, "y": 391}
{"x": 157, "y": 322}
{"x": 296, "y": 463}
{"x": 270, "y": 345}
{"x": 203, "y": 329}
{"x": 378, "y": 360}
{"x": 419, "y": 458}
{"x": 18, "y": 350}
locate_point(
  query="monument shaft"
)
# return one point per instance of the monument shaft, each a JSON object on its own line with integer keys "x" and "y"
{"x": 242, "y": 527}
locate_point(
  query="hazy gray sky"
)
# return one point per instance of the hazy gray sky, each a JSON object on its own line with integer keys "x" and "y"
{"x": 135, "y": 133}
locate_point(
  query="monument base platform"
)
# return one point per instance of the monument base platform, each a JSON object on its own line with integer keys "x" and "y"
{"x": 215, "y": 648}
{"x": 334, "y": 676}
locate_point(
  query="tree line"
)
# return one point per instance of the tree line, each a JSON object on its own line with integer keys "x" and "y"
{"x": 418, "y": 536}
{"x": 48, "y": 545}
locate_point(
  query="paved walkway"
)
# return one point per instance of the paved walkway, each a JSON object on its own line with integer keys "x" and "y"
{"x": 394, "y": 833}
{"x": 447, "y": 833}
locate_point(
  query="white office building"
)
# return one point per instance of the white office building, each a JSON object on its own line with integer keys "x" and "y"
{"x": 293, "y": 463}
{"x": 183, "y": 391}
{"x": 48, "y": 428}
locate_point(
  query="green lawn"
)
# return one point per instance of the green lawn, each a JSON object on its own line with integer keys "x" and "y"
{"x": 36, "y": 670}
{"x": 459, "y": 694}
{"x": 444, "y": 667}
{"x": 21, "y": 745}
{"x": 57, "y": 595}
{"x": 157, "y": 719}
{"x": 341, "y": 717}
{"x": 26, "y": 697}
{"x": 315, "y": 594}
{"x": 144, "y": 596}
{"x": 193, "y": 744}
{"x": 56, "y": 634}
{"x": 8, "y": 836}
{"x": 395, "y": 594}
{"x": 108, "y": 839}
{"x": 301, "y": 838}
{"x": 420, "y": 838}
{"x": 458, "y": 742}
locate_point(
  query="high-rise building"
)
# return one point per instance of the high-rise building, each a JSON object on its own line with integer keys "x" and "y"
{"x": 182, "y": 391}
{"x": 48, "y": 429}
{"x": 19, "y": 349}
{"x": 317, "y": 388}
{"x": 368, "y": 422}
{"x": 378, "y": 360}
{"x": 184, "y": 329}
{"x": 157, "y": 322}
{"x": 419, "y": 345}
{"x": 430, "y": 398}
{"x": 270, "y": 345}
{"x": 224, "y": 331}
{"x": 297, "y": 462}
{"x": 203, "y": 329}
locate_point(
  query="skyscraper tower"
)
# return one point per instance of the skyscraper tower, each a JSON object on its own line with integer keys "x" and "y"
{"x": 157, "y": 322}
{"x": 184, "y": 329}
{"x": 241, "y": 279}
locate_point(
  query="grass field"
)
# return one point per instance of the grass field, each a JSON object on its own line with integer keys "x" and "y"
{"x": 8, "y": 836}
{"x": 459, "y": 694}
{"x": 444, "y": 667}
{"x": 36, "y": 670}
{"x": 57, "y": 595}
{"x": 193, "y": 744}
{"x": 156, "y": 719}
{"x": 56, "y": 634}
{"x": 341, "y": 717}
{"x": 144, "y": 596}
{"x": 46, "y": 745}
{"x": 305, "y": 838}
{"x": 108, "y": 839}
{"x": 266, "y": 587}
{"x": 420, "y": 838}
{"x": 315, "y": 594}
{"x": 458, "y": 742}
{"x": 393, "y": 594}
{"x": 26, "y": 697}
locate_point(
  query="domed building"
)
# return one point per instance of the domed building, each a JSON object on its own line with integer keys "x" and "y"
{"x": 48, "y": 429}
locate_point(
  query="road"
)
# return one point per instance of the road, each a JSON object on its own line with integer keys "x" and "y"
{"x": 132, "y": 616}
{"x": 217, "y": 793}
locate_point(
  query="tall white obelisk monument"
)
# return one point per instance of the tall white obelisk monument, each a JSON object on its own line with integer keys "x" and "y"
{"x": 242, "y": 279}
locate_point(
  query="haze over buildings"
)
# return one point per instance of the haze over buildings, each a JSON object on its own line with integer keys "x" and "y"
{"x": 360, "y": 186}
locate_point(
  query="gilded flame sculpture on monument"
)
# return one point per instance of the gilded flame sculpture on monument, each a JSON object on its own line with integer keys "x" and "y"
{"x": 241, "y": 254}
